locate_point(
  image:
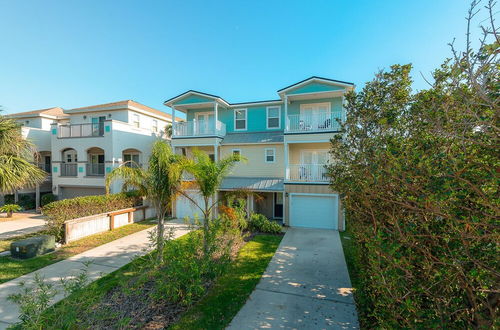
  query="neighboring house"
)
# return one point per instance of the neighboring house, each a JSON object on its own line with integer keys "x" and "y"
{"x": 285, "y": 142}
{"x": 80, "y": 146}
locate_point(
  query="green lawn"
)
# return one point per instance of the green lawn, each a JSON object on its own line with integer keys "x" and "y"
{"x": 214, "y": 311}
{"x": 230, "y": 292}
{"x": 11, "y": 268}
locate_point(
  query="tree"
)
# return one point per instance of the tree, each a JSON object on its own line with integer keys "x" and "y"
{"x": 16, "y": 152}
{"x": 159, "y": 183}
{"x": 208, "y": 176}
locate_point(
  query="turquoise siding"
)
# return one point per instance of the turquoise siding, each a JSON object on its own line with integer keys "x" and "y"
{"x": 336, "y": 105}
{"x": 315, "y": 87}
{"x": 193, "y": 99}
{"x": 256, "y": 119}
{"x": 191, "y": 114}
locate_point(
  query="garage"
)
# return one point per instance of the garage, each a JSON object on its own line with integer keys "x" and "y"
{"x": 72, "y": 192}
{"x": 185, "y": 208}
{"x": 314, "y": 210}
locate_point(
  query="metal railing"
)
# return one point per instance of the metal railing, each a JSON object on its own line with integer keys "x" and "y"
{"x": 313, "y": 122}
{"x": 80, "y": 130}
{"x": 197, "y": 128}
{"x": 95, "y": 169}
{"x": 69, "y": 169}
{"x": 307, "y": 172}
{"x": 46, "y": 167}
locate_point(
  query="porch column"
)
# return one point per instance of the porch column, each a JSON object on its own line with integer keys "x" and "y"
{"x": 216, "y": 152}
{"x": 37, "y": 197}
{"x": 286, "y": 112}
{"x": 287, "y": 169}
{"x": 16, "y": 197}
{"x": 173, "y": 120}
{"x": 216, "y": 116}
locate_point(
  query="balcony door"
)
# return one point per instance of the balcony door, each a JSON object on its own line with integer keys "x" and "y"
{"x": 313, "y": 165}
{"x": 315, "y": 116}
{"x": 96, "y": 164}
{"x": 204, "y": 123}
{"x": 98, "y": 126}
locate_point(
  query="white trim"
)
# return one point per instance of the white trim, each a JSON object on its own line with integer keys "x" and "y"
{"x": 274, "y": 155}
{"x": 279, "y": 116}
{"x": 315, "y": 141}
{"x": 246, "y": 119}
{"x": 172, "y": 101}
{"x": 255, "y": 104}
{"x": 308, "y": 81}
{"x": 252, "y": 143}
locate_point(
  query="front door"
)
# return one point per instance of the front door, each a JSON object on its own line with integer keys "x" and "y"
{"x": 278, "y": 205}
{"x": 313, "y": 165}
{"x": 205, "y": 123}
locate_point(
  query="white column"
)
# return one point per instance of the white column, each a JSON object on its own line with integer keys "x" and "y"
{"x": 16, "y": 197}
{"x": 173, "y": 119}
{"x": 287, "y": 170}
{"x": 286, "y": 112}
{"x": 37, "y": 197}
{"x": 216, "y": 152}
{"x": 216, "y": 116}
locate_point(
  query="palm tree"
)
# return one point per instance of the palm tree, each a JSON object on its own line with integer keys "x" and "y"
{"x": 208, "y": 176}
{"x": 16, "y": 152}
{"x": 159, "y": 183}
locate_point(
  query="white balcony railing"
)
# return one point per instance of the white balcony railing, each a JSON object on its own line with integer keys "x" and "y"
{"x": 307, "y": 173}
{"x": 193, "y": 128}
{"x": 313, "y": 122}
{"x": 80, "y": 130}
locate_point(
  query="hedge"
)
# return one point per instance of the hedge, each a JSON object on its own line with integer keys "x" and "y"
{"x": 60, "y": 211}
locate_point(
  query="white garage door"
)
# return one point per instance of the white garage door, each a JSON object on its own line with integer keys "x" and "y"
{"x": 185, "y": 208}
{"x": 314, "y": 211}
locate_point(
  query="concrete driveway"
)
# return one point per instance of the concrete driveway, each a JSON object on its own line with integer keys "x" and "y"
{"x": 25, "y": 223}
{"x": 306, "y": 286}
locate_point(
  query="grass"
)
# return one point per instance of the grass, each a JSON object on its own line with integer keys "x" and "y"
{"x": 12, "y": 268}
{"x": 214, "y": 311}
{"x": 230, "y": 292}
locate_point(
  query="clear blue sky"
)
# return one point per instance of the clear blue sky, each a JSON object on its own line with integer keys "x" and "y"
{"x": 79, "y": 53}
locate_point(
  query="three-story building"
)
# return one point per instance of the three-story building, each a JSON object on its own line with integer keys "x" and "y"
{"x": 285, "y": 143}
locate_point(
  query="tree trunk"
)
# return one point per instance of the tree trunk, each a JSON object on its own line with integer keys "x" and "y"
{"x": 160, "y": 233}
{"x": 9, "y": 214}
{"x": 205, "y": 226}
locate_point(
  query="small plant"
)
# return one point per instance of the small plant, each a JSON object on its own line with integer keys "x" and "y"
{"x": 10, "y": 208}
{"x": 259, "y": 223}
{"x": 48, "y": 198}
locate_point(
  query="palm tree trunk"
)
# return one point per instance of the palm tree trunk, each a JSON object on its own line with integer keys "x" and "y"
{"x": 205, "y": 226}
{"x": 160, "y": 232}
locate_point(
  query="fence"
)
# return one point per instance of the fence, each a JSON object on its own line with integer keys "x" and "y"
{"x": 81, "y": 227}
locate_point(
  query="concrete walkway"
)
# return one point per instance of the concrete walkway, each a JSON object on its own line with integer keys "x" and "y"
{"x": 25, "y": 223}
{"x": 105, "y": 259}
{"x": 305, "y": 286}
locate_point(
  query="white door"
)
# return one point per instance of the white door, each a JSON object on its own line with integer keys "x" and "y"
{"x": 185, "y": 207}
{"x": 314, "y": 211}
{"x": 315, "y": 116}
{"x": 313, "y": 166}
{"x": 205, "y": 123}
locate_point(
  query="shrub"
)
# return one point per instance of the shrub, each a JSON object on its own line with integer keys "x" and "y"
{"x": 10, "y": 208}
{"x": 48, "y": 198}
{"x": 60, "y": 211}
{"x": 259, "y": 223}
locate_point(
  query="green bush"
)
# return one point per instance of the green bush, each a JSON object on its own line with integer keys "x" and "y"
{"x": 48, "y": 198}
{"x": 259, "y": 223}
{"x": 60, "y": 211}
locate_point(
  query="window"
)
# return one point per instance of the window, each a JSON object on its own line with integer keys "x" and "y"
{"x": 240, "y": 119}
{"x": 155, "y": 125}
{"x": 131, "y": 160}
{"x": 270, "y": 155}
{"x": 273, "y": 117}
{"x": 237, "y": 153}
{"x": 135, "y": 120}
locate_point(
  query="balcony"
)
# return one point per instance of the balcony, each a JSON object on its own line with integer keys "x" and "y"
{"x": 198, "y": 129}
{"x": 69, "y": 169}
{"x": 46, "y": 167}
{"x": 81, "y": 130}
{"x": 314, "y": 122}
{"x": 307, "y": 173}
{"x": 95, "y": 169}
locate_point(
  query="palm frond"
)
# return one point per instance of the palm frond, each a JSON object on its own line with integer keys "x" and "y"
{"x": 17, "y": 173}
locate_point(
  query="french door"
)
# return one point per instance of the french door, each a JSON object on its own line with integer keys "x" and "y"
{"x": 313, "y": 164}
{"x": 315, "y": 116}
{"x": 205, "y": 123}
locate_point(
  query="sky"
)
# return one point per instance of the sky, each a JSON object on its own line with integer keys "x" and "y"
{"x": 80, "y": 53}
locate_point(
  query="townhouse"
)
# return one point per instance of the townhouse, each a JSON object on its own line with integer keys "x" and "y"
{"x": 77, "y": 147}
{"x": 285, "y": 143}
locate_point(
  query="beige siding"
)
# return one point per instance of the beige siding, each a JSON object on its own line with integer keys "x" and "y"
{"x": 311, "y": 189}
{"x": 264, "y": 204}
{"x": 255, "y": 165}
{"x": 195, "y": 142}
{"x": 323, "y": 137}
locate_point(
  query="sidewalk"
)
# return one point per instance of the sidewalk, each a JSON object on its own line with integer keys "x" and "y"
{"x": 105, "y": 259}
{"x": 24, "y": 223}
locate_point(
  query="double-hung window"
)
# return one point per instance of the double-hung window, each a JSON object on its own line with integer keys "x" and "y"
{"x": 273, "y": 117}
{"x": 237, "y": 153}
{"x": 135, "y": 120}
{"x": 270, "y": 155}
{"x": 154, "y": 126}
{"x": 240, "y": 119}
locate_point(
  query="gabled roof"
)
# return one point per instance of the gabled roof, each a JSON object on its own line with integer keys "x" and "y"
{"x": 172, "y": 100}
{"x": 55, "y": 112}
{"x": 125, "y": 104}
{"x": 317, "y": 79}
